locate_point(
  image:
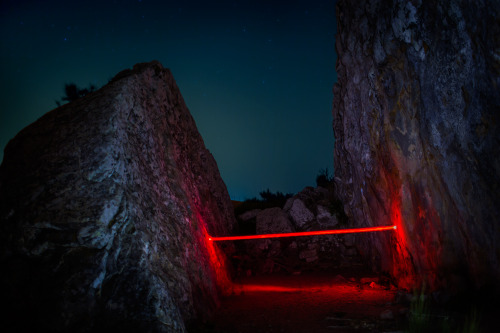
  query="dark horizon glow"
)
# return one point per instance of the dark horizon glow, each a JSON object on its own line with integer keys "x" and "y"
{"x": 304, "y": 233}
{"x": 257, "y": 76}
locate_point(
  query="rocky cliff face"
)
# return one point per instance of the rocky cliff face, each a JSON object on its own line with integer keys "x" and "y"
{"x": 416, "y": 115}
{"x": 105, "y": 207}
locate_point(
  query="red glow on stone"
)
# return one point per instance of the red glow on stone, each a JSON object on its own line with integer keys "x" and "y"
{"x": 305, "y": 233}
{"x": 217, "y": 261}
{"x": 402, "y": 269}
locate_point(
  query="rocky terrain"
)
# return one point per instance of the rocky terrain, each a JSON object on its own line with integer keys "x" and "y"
{"x": 106, "y": 203}
{"x": 309, "y": 210}
{"x": 417, "y": 139}
{"x": 105, "y": 208}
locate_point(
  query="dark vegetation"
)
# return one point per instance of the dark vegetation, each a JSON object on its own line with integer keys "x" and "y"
{"x": 268, "y": 200}
{"x": 324, "y": 179}
{"x": 72, "y": 92}
{"x": 278, "y": 199}
{"x": 440, "y": 313}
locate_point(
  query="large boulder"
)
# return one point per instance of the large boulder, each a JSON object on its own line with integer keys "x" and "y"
{"x": 301, "y": 215}
{"x": 273, "y": 221}
{"x": 105, "y": 208}
{"x": 417, "y": 138}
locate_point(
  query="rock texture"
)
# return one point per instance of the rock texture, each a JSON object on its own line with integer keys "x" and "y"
{"x": 105, "y": 207}
{"x": 416, "y": 116}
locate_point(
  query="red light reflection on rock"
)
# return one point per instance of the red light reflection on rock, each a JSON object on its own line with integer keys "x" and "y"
{"x": 218, "y": 262}
{"x": 402, "y": 264}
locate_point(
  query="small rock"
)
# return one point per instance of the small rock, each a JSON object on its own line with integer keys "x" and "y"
{"x": 325, "y": 219}
{"x": 268, "y": 266}
{"x": 288, "y": 204}
{"x": 348, "y": 240}
{"x": 263, "y": 244}
{"x": 249, "y": 215}
{"x": 300, "y": 215}
{"x": 387, "y": 315}
{"x": 367, "y": 280}
{"x": 275, "y": 248}
{"x": 308, "y": 254}
{"x": 320, "y": 191}
{"x": 339, "y": 278}
{"x": 312, "y": 246}
{"x": 273, "y": 220}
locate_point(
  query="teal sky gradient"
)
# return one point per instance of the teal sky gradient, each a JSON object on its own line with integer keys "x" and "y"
{"x": 257, "y": 76}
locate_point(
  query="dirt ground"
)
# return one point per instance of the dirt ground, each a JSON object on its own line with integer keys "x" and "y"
{"x": 336, "y": 301}
{"x": 309, "y": 302}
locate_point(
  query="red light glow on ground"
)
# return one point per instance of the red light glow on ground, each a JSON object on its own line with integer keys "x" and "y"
{"x": 310, "y": 302}
{"x": 333, "y": 288}
{"x": 305, "y": 233}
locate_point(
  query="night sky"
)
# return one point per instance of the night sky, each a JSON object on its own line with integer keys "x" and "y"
{"x": 257, "y": 76}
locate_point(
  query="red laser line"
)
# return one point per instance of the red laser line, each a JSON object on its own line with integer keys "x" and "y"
{"x": 304, "y": 233}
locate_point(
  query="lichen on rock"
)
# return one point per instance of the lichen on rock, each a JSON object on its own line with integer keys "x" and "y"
{"x": 105, "y": 206}
{"x": 416, "y": 137}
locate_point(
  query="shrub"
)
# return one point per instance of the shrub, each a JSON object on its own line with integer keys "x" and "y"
{"x": 268, "y": 200}
{"x": 268, "y": 196}
{"x": 324, "y": 179}
{"x": 72, "y": 92}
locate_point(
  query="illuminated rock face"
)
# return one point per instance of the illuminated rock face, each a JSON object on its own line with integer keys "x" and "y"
{"x": 105, "y": 205}
{"x": 416, "y": 115}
